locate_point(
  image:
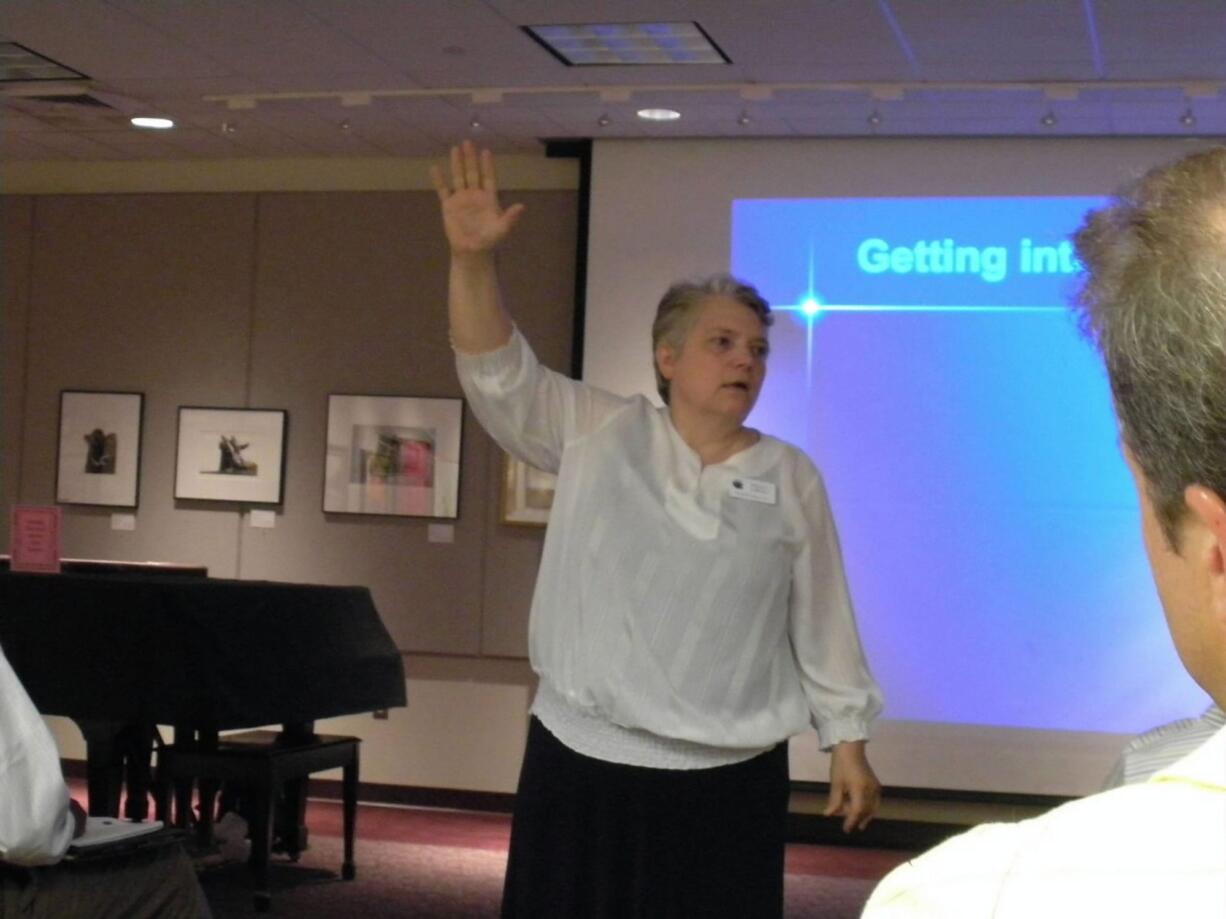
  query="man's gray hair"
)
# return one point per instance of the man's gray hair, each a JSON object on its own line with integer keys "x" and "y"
{"x": 678, "y": 309}
{"x": 1154, "y": 302}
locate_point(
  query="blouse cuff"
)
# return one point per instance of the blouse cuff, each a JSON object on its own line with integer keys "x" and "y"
{"x": 840, "y": 730}
{"x": 491, "y": 363}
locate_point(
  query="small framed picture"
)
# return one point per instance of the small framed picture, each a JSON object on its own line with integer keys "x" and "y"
{"x": 98, "y": 461}
{"x": 231, "y": 454}
{"x": 527, "y": 493}
{"x": 393, "y": 455}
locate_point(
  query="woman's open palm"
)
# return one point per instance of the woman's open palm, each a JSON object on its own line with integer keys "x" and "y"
{"x": 472, "y": 218}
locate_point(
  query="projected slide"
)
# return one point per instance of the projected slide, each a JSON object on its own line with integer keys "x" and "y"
{"x": 923, "y": 355}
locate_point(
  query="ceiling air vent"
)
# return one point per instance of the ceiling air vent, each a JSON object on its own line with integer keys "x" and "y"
{"x": 82, "y": 99}
{"x": 18, "y": 64}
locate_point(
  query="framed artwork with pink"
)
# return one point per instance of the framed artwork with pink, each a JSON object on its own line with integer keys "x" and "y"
{"x": 393, "y": 455}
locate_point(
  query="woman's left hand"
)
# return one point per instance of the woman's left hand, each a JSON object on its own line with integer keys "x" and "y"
{"x": 855, "y": 792}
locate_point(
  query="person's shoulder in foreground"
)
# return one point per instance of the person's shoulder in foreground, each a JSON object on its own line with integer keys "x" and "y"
{"x": 1153, "y": 301}
{"x": 1153, "y": 849}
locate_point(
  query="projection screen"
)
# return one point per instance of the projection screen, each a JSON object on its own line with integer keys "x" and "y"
{"x": 923, "y": 354}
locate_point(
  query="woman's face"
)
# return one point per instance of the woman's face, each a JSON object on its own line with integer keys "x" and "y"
{"x": 722, "y": 363}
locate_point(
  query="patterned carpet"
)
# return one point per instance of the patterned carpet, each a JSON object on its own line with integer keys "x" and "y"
{"x": 447, "y": 865}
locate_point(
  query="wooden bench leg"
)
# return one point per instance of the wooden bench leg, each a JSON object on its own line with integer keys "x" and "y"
{"x": 349, "y": 780}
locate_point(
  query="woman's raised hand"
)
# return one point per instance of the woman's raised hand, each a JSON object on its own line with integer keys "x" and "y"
{"x": 472, "y": 218}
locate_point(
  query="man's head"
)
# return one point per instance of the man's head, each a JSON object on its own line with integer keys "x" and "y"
{"x": 1154, "y": 302}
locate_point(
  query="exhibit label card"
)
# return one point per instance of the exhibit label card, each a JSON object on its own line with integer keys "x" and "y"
{"x": 35, "y": 539}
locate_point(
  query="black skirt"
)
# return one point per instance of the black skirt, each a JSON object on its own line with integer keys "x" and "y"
{"x": 597, "y": 840}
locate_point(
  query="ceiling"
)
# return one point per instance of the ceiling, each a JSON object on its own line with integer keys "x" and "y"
{"x": 378, "y": 78}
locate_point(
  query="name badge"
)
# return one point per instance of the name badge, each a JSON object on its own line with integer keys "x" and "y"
{"x": 752, "y": 490}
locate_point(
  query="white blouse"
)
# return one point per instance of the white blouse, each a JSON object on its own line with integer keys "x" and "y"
{"x": 684, "y": 616}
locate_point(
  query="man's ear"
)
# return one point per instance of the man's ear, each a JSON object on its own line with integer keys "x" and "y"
{"x": 1208, "y": 507}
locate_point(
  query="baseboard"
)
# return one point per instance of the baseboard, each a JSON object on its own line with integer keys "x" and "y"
{"x": 494, "y": 802}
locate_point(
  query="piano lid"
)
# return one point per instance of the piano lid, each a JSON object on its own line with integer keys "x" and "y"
{"x": 210, "y": 652}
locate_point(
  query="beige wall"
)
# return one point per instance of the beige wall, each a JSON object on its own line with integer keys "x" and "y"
{"x": 276, "y": 299}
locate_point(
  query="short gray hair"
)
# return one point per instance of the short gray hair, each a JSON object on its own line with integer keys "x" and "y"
{"x": 678, "y": 309}
{"x": 1153, "y": 300}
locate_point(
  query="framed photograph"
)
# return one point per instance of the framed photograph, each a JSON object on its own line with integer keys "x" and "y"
{"x": 231, "y": 454}
{"x": 527, "y": 493}
{"x": 98, "y": 461}
{"x": 394, "y": 455}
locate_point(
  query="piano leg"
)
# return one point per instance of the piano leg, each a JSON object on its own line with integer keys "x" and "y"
{"x": 291, "y": 829}
{"x": 206, "y": 791}
{"x": 188, "y": 738}
{"x": 116, "y": 753}
{"x": 138, "y": 752}
{"x": 261, "y": 842}
{"x": 104, "y": 766}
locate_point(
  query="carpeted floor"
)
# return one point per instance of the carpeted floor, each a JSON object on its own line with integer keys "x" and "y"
{"x": 448, "y": 865}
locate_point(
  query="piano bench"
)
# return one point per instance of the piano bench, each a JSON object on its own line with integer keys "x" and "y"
{"x": 261, "y": 763}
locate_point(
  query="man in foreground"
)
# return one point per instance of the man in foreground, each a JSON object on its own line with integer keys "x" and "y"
{"x": 38, "y": 822}
{"x": 1154, "y": 302}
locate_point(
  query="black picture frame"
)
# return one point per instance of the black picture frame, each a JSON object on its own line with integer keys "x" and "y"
{"x": 235, "y": 455}
{"x": 99, "y": 448}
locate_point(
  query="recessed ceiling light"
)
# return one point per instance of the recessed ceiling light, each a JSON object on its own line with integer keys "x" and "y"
{"x": 596, "y": 43}
{"x": 161, "y": 124}
{"x": 658, "y": 114}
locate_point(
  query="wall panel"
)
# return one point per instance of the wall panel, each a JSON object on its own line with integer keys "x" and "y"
{"x": 149, "y": 293}
{"x": 16, "y": 224}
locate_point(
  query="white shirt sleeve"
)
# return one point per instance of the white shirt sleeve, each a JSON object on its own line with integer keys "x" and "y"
{"x": 842, "y": 695}
{"x": 530, "y": 410}
{"x": 36, "y": 824}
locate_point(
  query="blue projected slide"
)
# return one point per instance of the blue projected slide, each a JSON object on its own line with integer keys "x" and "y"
{"x": 923, "y": 355}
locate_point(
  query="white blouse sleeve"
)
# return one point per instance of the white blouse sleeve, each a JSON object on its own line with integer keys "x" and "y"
{"x": 843, "y": 696}
{"x": 36, "y": 824}
{"x": 530, "y": 410}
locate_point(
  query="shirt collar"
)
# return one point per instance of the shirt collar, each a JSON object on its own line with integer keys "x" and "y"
{"x": 1205, "y": 766}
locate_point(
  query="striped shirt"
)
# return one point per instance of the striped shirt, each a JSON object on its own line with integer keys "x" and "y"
{"x": 1162, "y": 746}
{"x": 676, "y": 623}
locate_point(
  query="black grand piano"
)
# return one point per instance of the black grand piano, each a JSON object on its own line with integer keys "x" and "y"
{"x": 116, "y": 649}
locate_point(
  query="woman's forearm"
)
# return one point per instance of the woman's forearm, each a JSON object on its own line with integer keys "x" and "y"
{"x": 479, "y": 322}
